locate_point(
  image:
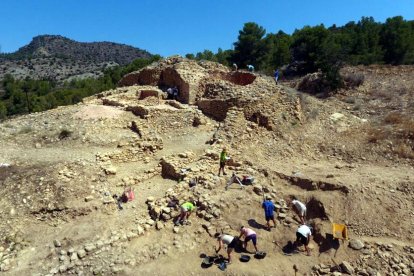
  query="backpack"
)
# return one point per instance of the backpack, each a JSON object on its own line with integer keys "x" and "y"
{"x": 247, "y": 180}
{"x": 128, "y": 195}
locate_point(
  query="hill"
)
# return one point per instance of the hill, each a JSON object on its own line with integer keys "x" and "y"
{"x": 62, "y": 170}
{"x": 58, "y": 58}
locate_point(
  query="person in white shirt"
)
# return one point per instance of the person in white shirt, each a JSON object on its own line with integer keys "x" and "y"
{"x": 229, "y": 241}
{"x": 303, "y": 236}
{"x": 300, "y": 209}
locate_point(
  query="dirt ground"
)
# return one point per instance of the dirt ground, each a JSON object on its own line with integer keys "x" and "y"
{"x": 58, "y": 215}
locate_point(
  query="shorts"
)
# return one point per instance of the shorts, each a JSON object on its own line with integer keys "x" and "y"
{"x": 252, "y": 237}
{"x": 302, "y": 212}
{"x": 183, "y": 209}
{"x": 222, "y": 164}
{"x": 271, "y": 217}
{"x": 233, "y": 243}
{"x": 304, "y": 240}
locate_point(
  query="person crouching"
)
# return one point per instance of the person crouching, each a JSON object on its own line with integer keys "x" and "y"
{"x": 186, "y": 209}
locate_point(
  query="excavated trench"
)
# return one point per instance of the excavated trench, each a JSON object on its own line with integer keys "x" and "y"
{"x": 312, "y": 185}
{"x": 170, "y": 78}
{"x": 315, "y": 209}
{"x": 238, "y": 78}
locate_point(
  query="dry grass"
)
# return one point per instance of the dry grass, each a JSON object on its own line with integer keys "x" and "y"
{"x": 382, "y": 94}
{"x": 406, "y": 129}
{"x": 374, "y": 135}
{"x": 394, "y": 118}
{"x": 398, "y": 129}
{"x": 405, "y": 151}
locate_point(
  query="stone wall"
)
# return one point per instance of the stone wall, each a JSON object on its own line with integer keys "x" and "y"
{"x": 216, "y": 109}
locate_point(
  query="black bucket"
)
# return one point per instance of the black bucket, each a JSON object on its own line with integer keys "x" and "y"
{"x": 244, "y": 258}
{"x": 260, "y": 255}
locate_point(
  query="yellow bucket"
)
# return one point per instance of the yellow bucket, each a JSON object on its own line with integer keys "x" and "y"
{"x": 339, "y": 231}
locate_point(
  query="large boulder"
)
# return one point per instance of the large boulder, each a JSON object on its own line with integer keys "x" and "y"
{"x": 347, "y": 268}
{"x": 171, "y": 169}
{"x": 356, "y": 244}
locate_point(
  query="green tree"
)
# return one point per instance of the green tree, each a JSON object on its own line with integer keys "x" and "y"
{"x": 190, "y": 56}
{"x": 306, "y": 45}
{"x": 3, "y": 110}
{"x": 368, "y": 38}
{"x": 223, "y": 57}
{"x": 206, "y": 55}
{"x": 330, "y": 61}
{"x": 279, "y": 51}
{"x": 250, "y": 48}
{"x": 395, "y": 40}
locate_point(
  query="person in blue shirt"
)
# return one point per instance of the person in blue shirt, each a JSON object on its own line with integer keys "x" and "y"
{"x": 269, "y": 208}
{"x": 276, "y": 75}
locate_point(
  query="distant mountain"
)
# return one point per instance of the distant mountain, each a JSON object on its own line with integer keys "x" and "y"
{"x": 62, "y": 47}
{"x": 59, "y": 58}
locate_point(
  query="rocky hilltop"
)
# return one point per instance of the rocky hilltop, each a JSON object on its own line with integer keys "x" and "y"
{"x": 346, "y": 158}
{"x": 57, "y": 57}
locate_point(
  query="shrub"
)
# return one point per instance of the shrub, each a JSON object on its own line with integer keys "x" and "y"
{"x": 350, "y": 100}
{"x": 376, "y": 134}
{"x": 353, "y": 80}
{"x": 25, "y": 129}
{"x": 65, "y": 134}
{"x": 404, "y": 150}
{"x": 393, "y": 118}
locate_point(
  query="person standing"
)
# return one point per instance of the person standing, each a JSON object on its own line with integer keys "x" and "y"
{"x": 303, "y": 236}
{"x": 175, "y": 93}
{"x": 299, "y": 208}
{"x": 170, "y": 93}
{"x": 223, "y": 159}
{"x": 269, "y": 208}
{"x": 276, "y": 75}
{"x": 248, "y": 234}
{"x": 235, "y": 68}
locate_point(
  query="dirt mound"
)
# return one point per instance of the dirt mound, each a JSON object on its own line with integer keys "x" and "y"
{"x": 194, "y": 79}
{"x": 97, "y": 112}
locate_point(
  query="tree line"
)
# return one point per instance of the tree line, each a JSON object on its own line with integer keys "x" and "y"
{"x": 29, "y": 95}
{"x": 319, "y": 48}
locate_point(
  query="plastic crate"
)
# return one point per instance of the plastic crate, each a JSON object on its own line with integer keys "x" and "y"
{"x": 339, "y": 231}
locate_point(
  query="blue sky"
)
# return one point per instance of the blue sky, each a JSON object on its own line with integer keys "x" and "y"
{"x": 177, "y": 27}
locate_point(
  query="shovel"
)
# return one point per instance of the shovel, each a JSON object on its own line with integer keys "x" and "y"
{"x": 295, "y": 268}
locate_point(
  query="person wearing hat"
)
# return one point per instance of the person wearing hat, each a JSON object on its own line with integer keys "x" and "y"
{"x": 269, "y": 208}
{"x": 229, "y": 241}
{"x": 303, "y": 236}
{"x": 186, "y": 209}
{"x": 248, "y": 234}
{"x": 223, "y": 159}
